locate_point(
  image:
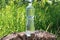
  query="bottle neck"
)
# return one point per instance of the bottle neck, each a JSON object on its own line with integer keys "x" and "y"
{"x": 30, "y": 4}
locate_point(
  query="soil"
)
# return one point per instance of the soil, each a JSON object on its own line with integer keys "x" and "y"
{"x": 37, "y": 35}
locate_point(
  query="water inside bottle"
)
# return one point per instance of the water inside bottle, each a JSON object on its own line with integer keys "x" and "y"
{"x": 29, "y": 19}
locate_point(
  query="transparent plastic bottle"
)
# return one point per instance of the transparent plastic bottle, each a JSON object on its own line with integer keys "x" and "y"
{"x": 30, "y": 18}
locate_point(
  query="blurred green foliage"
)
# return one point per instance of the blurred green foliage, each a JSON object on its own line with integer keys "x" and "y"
{"x": 13, "y": 16}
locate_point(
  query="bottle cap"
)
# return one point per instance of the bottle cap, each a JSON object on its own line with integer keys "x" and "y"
{"x": 29, "y": 1}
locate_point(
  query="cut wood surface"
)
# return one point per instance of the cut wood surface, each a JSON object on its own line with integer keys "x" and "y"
{"x": 37, "y": 35}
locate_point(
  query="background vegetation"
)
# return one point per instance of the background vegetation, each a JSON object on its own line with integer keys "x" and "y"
{"x": 13, "y": 15}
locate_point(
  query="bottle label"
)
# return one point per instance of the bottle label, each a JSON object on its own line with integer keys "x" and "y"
{"x": 30, "y": 17}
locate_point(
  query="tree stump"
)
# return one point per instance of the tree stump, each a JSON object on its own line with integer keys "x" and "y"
{"x": 37, "y": 35}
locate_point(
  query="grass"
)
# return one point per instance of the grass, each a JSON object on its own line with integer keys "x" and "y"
{"x": 13, "y": 17}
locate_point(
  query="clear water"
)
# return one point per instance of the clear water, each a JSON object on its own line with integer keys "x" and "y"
{"x": 30, "y": 18}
